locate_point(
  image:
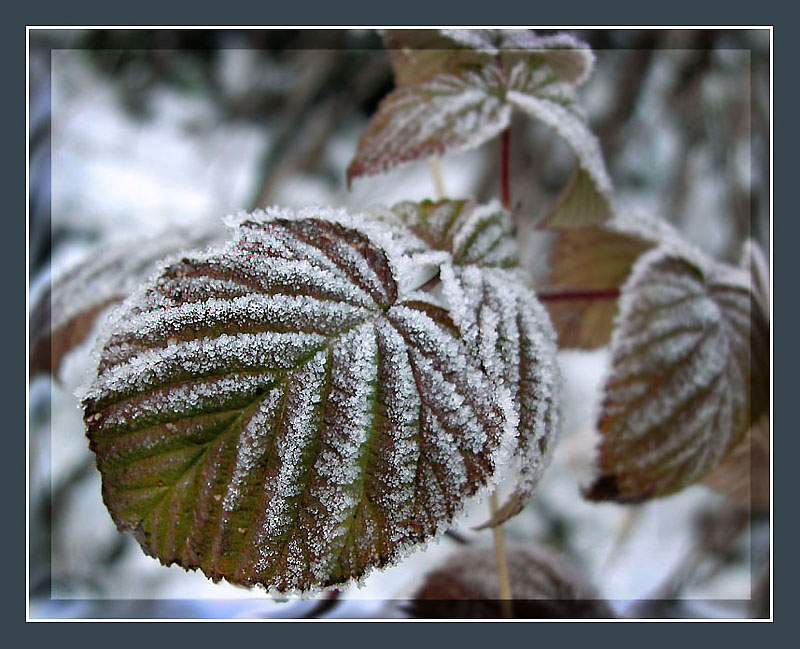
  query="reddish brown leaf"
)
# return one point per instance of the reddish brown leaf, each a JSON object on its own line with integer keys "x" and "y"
{"x": 688, "y": 377}
{"x": 543, "y": 585}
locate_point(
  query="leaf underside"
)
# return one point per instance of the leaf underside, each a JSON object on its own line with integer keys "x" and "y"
{"x": 275, "y": 413}
{"x": 586, "y": 259}
{"x": 688, "y": 377}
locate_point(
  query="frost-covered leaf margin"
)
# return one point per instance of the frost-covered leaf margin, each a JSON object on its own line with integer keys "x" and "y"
{"x": 66, "y": 312}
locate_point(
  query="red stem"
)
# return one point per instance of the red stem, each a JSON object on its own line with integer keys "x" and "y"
{"x": 565, "y": 295}
{"x": 505, "y": 180}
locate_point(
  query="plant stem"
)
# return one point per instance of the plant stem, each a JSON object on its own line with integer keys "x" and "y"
{"x": 571, "y": 294}
{"x": 438, "y": 182}
{"x": 505, "y": 177}
{"x": 502, "y": 565}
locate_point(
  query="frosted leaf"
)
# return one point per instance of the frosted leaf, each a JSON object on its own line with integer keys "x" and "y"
{"x": 510, "y": 332}
{"x": 543, "y": 585}
{"x": 755, "y": 263}
{"x": 65, "y": 313}
{"x": 689, "y": 375}
{"x": 596, "y": 258}
{"x": 744, "y": 476}
{"x": 456, "y": 90}
{"x": 419, "y": 54}
{"x": 570, "y": 59}
{"x": 588, "y": 197}
{"x": 471, "y": 233}
{"x": 277, "y": 412}
{"x": 445, "y": 114}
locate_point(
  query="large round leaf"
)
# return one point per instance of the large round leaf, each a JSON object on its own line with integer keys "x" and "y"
{"x": 279, "y": 412}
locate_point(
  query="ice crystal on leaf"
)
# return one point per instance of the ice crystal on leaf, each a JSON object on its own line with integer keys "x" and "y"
{"x": 456, "y": 90}
{"x": 290, "y": 410}
{"x": 688, "y": 378}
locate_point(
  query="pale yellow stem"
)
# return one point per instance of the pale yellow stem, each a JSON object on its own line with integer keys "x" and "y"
{"x": 502, "y": 565}
{"x": 438, "y": 182}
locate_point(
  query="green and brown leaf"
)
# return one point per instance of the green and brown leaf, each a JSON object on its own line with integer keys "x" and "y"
{"x": 279, "y": 411}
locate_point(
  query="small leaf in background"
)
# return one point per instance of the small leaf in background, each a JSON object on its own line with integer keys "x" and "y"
{"x": 569, "y": 58}
{"x": 65, "y": 313}
{"x": 580, "y": 203}
{"x": 744, "y": 476}
{"x": 419, "y": 54}
{"x": 543, "y": 585}
{"x": 689, "y": 375}
{"x": 755, "y": 263}
{"x": 276, "y": 412}
{"x": 456, "y": 90}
